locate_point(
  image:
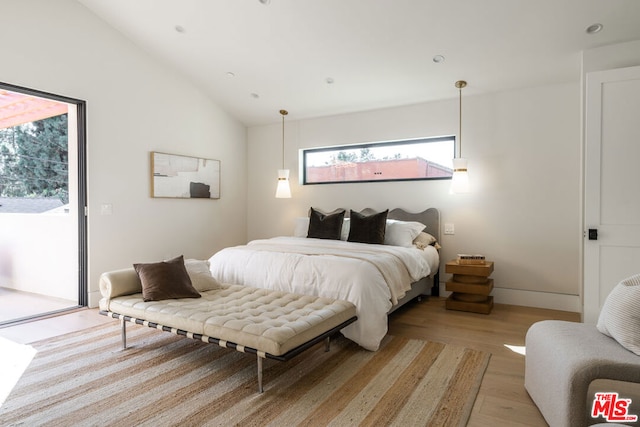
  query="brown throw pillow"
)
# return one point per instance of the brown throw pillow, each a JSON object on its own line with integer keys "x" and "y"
{"x": 367, "y": 229}
{"x": 165, "y": 280}
{"x": 325, "y": 226}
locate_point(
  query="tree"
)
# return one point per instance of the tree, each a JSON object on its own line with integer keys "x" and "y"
{"x": 34, "y": 159}
{"x": 366, "y": 155}
{"x": 344, "y": 157}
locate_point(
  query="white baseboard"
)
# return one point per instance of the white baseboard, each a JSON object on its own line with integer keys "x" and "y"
{"x": 94, "y": 299}
{"x": 524, "y": 298}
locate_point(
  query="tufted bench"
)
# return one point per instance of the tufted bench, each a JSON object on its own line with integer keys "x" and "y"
{"x": 270, "y": 324}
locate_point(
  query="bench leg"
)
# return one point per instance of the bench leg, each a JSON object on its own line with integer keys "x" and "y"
{"x": 327, "y": 344}
{"x": 259, "y": 374}
{"x": 123, "y": 324}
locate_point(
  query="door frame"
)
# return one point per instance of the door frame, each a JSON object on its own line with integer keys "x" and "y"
{"x": 81, "y": 114}
{"x": 591, "y": 289}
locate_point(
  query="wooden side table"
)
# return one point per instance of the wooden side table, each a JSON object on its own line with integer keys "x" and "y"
{"x": 471, "y": 287}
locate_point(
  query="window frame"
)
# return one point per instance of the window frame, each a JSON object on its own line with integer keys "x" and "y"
{"x": 337, "y": 148}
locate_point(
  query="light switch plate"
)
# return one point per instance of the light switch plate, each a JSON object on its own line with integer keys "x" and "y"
{"x": 449, "y": 228}
{"x": 106, "y": 209}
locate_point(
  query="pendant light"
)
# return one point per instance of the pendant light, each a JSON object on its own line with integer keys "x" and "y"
{"x": 283, "y": 191}
{"x": 460, "y": 178}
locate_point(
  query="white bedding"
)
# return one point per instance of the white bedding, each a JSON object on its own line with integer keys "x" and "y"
{"x": 372, "y": 277}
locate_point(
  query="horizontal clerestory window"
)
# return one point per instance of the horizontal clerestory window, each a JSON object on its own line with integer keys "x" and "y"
{"x": 401, "y": 160}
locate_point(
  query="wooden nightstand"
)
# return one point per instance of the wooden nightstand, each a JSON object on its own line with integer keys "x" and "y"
{"x": 471, "y": 287}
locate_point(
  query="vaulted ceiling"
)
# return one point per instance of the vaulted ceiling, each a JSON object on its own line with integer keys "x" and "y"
{"x": 326, "y": 57}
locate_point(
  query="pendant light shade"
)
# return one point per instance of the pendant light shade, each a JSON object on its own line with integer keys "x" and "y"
{"x": 283, "y": 191}
{"x": 460, "y": 178}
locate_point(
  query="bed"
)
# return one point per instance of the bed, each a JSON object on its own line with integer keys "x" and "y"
{"x": 376, "y": 278}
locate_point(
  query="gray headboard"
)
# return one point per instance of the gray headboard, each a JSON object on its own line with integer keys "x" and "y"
{"x": 430, "y": 218}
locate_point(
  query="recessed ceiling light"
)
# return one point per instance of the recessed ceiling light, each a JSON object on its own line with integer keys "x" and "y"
{"x": 255, "y": 95}
{"x": 595, "y": 28}
{"x": 265, "y": 1}
{"x": 179, "y": 28}
{"x": 230, "y": 74}
{"x": 438, "y": 59}
{"x": 329, "y": 80}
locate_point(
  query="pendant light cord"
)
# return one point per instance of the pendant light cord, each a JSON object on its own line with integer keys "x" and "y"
{"x": 283, "y": 113}
{"x": 460, "y": 122}
{"x": 460, "y": 84}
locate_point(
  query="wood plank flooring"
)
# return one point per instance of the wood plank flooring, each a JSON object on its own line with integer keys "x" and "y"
{"x": 502, "y": 399}
{"x": 16, "y": 305}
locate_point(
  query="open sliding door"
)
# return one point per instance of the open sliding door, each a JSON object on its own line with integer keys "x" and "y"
{"x": 43, "y": 226}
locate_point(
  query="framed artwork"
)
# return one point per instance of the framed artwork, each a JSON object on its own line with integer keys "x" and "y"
{"x": 184, "y": 177}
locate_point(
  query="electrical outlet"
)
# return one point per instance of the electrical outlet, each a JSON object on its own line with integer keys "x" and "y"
{"x": 449, "y": 228}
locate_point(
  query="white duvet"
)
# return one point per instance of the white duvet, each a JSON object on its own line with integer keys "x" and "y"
{"x": 372, "y": 277}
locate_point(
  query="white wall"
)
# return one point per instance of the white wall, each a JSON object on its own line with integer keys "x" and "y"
{"x": 134, "y": 105}
{"x": 613, "y": 56}
{"x": 523, "y": 213}
{"x": 34, "y": 245}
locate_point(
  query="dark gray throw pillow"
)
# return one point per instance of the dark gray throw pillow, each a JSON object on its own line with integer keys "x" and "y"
{"x": 165, "y": 280}
{"x": 367, "y": 228}
{"x": 325, "y": 226}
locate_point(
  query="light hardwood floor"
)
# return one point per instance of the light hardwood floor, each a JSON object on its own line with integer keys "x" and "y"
{"x": 502, "y": 400}
{"x": 15, "y": 305}
{"x": 29, "y": 332}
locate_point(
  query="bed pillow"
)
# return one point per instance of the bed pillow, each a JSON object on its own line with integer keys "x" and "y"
{"x": 367, "y": 228}
{"x": 620, "y": 317}
{"x": 200, "y": 275}
{"x": 402, "y": 233}
{"x": 301, "y": 227}
{"x": 423, "y": 240}
{"x": 346, "y": 226}
{"x": 165, "y": 280}
{"x": 325, "y": 226}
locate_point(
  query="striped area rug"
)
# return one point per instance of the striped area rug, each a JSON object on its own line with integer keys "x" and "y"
{"x": 86, "y": 379}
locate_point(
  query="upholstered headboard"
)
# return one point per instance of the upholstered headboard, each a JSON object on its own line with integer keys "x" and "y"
{"x": 430, "y": 218}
